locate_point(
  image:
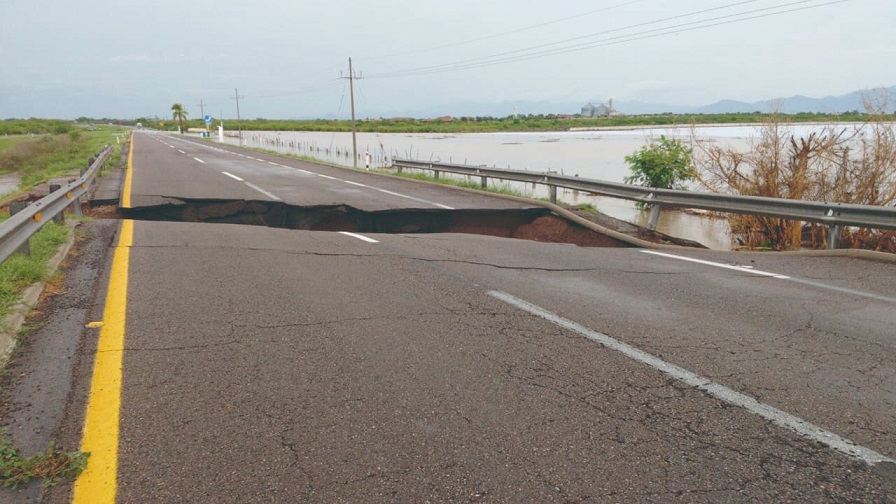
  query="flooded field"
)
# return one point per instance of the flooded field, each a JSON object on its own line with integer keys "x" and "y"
{"x": 9, "y": 183}
{"x": 588, "y": 154}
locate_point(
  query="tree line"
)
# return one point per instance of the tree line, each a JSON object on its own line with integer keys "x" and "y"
{"x": 489, "y": 124}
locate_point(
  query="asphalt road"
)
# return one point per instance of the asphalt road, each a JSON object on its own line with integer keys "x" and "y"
{"x": 170, "y": 168}
{"x": 272, "y": 365}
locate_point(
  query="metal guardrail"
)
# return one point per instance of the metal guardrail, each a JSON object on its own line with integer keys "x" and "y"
{"x": 835, "y": 215}
{"x": 19, "y": 228}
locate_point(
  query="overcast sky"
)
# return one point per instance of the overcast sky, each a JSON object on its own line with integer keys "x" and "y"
{"x": 126, "y": 58}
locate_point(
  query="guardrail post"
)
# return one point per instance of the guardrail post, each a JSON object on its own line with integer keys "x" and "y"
{"x": 552, "y": 194}
{"x": 834, "y": 234}
{"x": 484, "y": 181}
{"x": 654, "y": 218}
{"x": 60, "y": 217}
{"x": 14, "y": 208}
{"x": 398, "y": 168}
{"x": 435, "y": 174}
{"x": 76, "y": 207}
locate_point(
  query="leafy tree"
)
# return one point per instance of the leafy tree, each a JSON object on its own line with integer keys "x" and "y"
{"x": 179, "y": 114}
{"x": 663, "y": 164}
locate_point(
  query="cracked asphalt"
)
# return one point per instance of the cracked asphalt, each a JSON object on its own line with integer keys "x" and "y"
{"x": 266, "y": 365}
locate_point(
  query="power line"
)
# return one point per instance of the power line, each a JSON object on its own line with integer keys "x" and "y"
{"x": 510, "y": 32}
{"x": 310, "y": 87}
{"x": 542, "y": 50}
{"x": 592, "y": 35}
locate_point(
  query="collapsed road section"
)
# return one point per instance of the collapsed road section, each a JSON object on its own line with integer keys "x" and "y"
{"x": 537, "y": 224}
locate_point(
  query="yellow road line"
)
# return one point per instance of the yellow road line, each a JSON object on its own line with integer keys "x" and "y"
{"x": 126, "y": 190}
{"x": 97, "y": 484}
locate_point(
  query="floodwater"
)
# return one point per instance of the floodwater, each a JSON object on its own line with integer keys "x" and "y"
{"x": 588, "y": 154}
{"x": 9, "y": 183}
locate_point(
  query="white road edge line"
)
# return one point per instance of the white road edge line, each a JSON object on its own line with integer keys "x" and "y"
{"x": 749, "y": 269}
{"x": 718, "y": 265}
{"x": 721, "y": 392}
{"x": 446, "y": 207}
{"x": 359, "y": 236}
{"x": 262, "y": 191}
{"x": 234, "y": 177}
{"x": 197, "y": 159}
{"x": 326, "y": 176}
{"x": 354, "y": 183}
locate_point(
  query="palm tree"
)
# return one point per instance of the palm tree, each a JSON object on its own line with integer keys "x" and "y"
{"x": 179, "y": 113}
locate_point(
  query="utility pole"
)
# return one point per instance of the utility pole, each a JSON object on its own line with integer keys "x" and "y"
{"x": 239, "y": 123}
{"x": 202, "y": 113}
{"x": 351, "y": 86}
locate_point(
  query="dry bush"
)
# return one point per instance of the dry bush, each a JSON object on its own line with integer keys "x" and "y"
{"x": 853, "y": 164}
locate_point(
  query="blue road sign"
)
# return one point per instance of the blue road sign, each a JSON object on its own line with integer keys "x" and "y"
{"x": 208, "y": 119}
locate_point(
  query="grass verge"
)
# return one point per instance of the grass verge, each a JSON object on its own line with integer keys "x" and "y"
{"x": 499, "y": 188}
{"x": 20, "y": 271}
{"x": 587, "y": 208}
{"x": 50, "y": 465}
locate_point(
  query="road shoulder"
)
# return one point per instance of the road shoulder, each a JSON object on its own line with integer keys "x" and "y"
{"x": 37, "y": 382}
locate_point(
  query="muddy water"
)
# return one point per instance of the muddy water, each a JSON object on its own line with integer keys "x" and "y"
{"x": 9, "y": 183}
{"x": 588, "y": 154}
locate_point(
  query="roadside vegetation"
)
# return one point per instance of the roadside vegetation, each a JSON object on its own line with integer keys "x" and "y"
{"x": 50, "y": 466}
{"x": 34, "y": 126}
{"x": 39, "y": 158}
{"x": 20, "y": 271}
{"x": 485, "y": 124}
{"x": 664, "y": 163}
{"x": 179, "y": 114}
{"x": 844, "y": 164}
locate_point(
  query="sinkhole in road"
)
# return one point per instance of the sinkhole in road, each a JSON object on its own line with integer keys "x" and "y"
{"x": 536, "y": 224}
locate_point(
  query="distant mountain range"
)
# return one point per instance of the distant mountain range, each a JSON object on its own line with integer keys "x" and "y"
{"x": 792, "y": 105}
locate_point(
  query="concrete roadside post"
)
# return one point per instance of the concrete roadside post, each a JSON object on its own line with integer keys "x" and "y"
{"x": 835, "y": 232}
{"x": 59, "y": 218}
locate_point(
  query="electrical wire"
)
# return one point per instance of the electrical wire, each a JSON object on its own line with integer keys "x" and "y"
{"x": 542, "y": 50}
{"x": 510, "y": 32}
{"x": 310, "y": 87}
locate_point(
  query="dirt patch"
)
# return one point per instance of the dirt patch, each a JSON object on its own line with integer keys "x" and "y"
{"x": 553, "y": 229}
{"x": 102, "y": 211}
